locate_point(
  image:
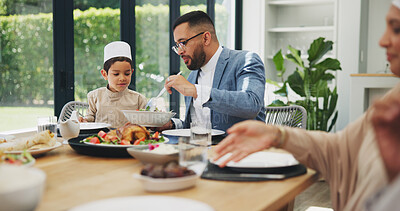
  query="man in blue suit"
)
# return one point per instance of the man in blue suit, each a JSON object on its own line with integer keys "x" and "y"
{"x": 225, "y": 86}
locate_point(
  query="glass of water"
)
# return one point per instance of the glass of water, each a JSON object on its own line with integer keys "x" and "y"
{"x": 193, "y": 153}
{"x": 201, "y": 132}
{"x": 47, "y": 123}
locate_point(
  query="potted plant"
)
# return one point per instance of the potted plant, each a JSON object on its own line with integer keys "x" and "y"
{"x": 310, "y": 83}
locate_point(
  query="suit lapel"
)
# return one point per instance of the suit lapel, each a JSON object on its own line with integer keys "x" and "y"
{"x": 220, "y": 68}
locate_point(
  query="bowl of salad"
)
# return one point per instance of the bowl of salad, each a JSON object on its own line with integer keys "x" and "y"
{"x": 148, "y": 118}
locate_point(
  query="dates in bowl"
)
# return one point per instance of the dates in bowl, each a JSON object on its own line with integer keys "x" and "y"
{"x": 167, "y": 177}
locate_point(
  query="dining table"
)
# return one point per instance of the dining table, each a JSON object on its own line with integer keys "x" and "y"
{"x": 74, "y": 179}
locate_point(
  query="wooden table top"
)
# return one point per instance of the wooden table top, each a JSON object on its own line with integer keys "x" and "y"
{"x": 74, "y": 179}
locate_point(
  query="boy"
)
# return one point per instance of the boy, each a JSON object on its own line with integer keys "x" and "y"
{"x": 106, "y": 103}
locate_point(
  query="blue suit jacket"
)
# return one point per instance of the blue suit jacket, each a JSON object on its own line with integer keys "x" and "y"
{"x": 237, "y": 92}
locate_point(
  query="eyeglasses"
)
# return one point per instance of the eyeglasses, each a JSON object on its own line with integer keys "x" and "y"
{"x": 182, "y": 45}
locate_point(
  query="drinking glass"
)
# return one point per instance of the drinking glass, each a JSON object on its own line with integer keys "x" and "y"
{"x": 47, "y": 123}
{"x": 200, "y": 132}
{"x": 193, "y": 154}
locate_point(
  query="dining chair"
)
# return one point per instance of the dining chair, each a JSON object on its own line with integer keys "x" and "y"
{"x": 292, "y": 116}
{"x": 66, "y": 111}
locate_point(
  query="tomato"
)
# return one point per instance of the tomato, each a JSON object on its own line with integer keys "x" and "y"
{"x": 125, "y": 142}
{"x": 95, "y": 140}
{"x": 102, "y": 134}
{"x": 137, "y": 142}
{"x": 156, "y": 134}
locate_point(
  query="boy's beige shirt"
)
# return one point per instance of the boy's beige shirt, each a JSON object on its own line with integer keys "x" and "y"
{"x": 349, "y": 160}
{"x": 105, "y": 105}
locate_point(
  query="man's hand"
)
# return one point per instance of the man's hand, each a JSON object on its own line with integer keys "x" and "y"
{"x": 386, "y": 121}
{"x": 167, "y": 126}
{"x": 181, "y": 85}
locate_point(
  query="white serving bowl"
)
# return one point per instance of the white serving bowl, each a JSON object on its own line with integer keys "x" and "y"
{"x": 148, "y": 118}
{"x": 167, "y": 184}
{"x": 21, "y": 188}
{"x": 145, "y": 156}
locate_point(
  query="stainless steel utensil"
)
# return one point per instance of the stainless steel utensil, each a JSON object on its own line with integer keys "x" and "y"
{"x": 152, "y": 104}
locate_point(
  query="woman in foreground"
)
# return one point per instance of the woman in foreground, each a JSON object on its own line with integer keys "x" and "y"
{"x": 349, "y": 160}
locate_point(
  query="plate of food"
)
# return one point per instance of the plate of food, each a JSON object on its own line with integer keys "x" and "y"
{"x": 155, "y": 153}
{"x": 148, "y": 118}
{"x": 37, "y": 144}
{"x": 22, "y": 159}
{"x": 115, "y": 142}
{"x": 260, "y": 162}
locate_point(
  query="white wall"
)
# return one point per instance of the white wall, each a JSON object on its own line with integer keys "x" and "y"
{"x": 349, "y": 13}
{"x": 254, "y": 26}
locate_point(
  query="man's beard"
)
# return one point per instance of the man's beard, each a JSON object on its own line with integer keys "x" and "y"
{"x": 199, "y": 57}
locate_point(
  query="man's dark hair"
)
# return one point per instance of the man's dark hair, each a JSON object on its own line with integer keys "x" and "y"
{"x": 111, "y": 61}
{"x": 194, "y": 19}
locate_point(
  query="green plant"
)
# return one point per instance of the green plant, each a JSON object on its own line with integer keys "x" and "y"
{"x": 310, "y": 83}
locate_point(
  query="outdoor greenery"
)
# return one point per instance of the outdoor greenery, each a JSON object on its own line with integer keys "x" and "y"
{"x": 26, "y": 46}
{"x": 311, "y": 83}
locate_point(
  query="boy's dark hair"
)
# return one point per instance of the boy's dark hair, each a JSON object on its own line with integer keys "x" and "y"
{"x": 194, "y": 19}
{"x": 111, "y": 61}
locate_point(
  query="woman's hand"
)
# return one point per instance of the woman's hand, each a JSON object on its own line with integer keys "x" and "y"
{"x": 245, "y": 138}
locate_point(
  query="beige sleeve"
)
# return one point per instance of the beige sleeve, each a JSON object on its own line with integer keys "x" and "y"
{"x": 91, "y": 114}
{"x": 142, "y": 101}
{"x": 328, "y": 153}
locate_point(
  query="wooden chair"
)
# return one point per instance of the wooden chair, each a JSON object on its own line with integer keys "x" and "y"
{"x": 66, "y": 111}
{"x": 292, "y": 116}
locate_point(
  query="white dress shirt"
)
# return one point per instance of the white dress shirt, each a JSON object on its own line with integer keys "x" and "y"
{"x": 203, "y": 87}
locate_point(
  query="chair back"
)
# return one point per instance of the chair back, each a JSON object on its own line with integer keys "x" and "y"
{"x": 66, "y": 111}
{"x": 292, "y": 116}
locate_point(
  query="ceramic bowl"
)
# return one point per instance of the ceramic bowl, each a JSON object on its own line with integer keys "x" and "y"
{"x": 148, "y": 118}
{"x": 21, "y": 188}
{"x": 167, "y": 184}
{"x": 145, "y": 156}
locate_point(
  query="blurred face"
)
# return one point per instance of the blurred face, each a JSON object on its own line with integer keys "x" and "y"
{"x": 391, "y": 39}
{"x": 119, "y": 76}
{"x": 193, "y": 56}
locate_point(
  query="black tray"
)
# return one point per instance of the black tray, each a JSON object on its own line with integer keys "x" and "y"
{"x": 214, "y": 172}
{"x": 98, "y": 151}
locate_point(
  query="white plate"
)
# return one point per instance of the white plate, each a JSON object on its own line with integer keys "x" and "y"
{"x": 148, "y": 203}
{"x": 167, "y": 184}
{"x": 7, "y": 137}
{"x": 37, "y": 151}
{"x": 93, "y": 125}
{"x": 151, "y": 157}
{"x": 261, "y": 160}
{"x": 186, "y": 132}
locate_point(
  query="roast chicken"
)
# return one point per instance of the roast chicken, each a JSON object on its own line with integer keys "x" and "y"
{"x": 130, "y": 132}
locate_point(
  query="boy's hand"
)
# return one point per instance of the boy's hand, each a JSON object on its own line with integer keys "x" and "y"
{"x": 167, "y": 126}
{"x": 81, "y": 119}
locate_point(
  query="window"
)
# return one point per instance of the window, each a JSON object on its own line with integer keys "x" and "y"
{"x": 96, "y": 23}
{"x": 26, "y": 63}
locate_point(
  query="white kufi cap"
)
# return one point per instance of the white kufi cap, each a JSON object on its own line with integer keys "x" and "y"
{"x": 396, "y": 3}
{"x": 117, "y": 49}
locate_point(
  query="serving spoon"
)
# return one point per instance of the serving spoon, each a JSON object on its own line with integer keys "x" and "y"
{"x": 152, "y": 104}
